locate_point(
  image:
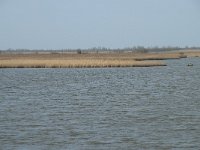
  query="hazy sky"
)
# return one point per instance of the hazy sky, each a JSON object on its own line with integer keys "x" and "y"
{"x": 56, "y": 24}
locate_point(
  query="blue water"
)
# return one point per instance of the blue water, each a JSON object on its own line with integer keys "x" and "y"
{"x": 101, "y": 108}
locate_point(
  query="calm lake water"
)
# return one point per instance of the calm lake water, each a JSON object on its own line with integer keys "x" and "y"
{"x": 109, "y": 108}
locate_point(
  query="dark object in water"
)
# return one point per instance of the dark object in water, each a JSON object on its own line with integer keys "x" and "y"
{"x": 190, "y": 64}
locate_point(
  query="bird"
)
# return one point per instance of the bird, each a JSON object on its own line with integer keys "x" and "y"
{"x": 190, "y": 64}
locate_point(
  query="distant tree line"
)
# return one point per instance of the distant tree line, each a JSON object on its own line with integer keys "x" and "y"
{"x": 141, "y": 49}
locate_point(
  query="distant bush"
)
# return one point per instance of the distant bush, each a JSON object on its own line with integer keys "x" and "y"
{"x": 78, "y": 51}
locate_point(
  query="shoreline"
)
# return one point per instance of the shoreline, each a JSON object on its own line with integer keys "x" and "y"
{"x": 90, "y": 60}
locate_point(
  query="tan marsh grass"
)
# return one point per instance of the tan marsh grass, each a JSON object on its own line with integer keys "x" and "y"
{"x": 17, "y": 63}
{"x": 72, "y": 60}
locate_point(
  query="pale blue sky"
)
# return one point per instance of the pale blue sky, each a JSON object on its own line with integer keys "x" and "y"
{"x": 56, "y": 24}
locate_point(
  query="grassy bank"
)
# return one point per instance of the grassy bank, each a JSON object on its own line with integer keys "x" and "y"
{"x": 16, "y": 63}
{"x": 68, "y": 60}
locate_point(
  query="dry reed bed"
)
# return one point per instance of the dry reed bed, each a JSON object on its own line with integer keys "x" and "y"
{"x": 161, "y": 56}
{"x": 76, "y": 63}
{"x": 68, "y": 60}
{"x": 191, "y": 53}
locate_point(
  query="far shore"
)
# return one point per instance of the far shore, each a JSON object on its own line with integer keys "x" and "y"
{"x": 91, "y": 60}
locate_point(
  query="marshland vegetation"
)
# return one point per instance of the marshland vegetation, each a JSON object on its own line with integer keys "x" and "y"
{"x": 79, "y": 59}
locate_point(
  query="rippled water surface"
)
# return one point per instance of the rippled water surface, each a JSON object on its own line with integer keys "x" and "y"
{"x": 110, "y": 108}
